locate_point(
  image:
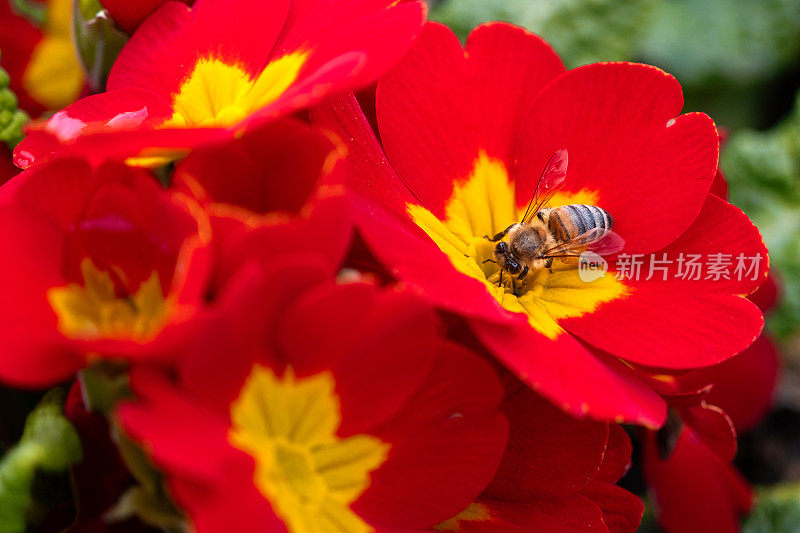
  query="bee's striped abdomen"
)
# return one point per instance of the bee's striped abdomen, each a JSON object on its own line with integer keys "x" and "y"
{"x": 569, "y": 221}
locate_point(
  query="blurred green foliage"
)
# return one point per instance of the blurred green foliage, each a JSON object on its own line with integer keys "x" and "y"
{"x": 726, "y": 53}
{"x": 582, "y": 31}
{"x": 740, "y": 40}
{"x": 778, "y": 511}
{"x": 49, "y": 444}
{"x": 763, "y": 170}
{"x": 12, "y": 119}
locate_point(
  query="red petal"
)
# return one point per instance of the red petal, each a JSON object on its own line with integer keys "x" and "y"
{"x": 721, "y": 228}
{"x": 650, "y": 168}
{"x": 570, "y": 376}
{"x": 694, "y": 491}
{"x": 375, "y": 33}
{"x": 743, "y": 386}
{"x": 275, "y": 168}
{"x": 233, "y": 505}
{"x": 365, "y": 163}
{"x": 571, "y": 514}
{"x": 166, "y": 47}
{"x": 324, "y": 231}
{"x": 414, "y": 258}
{"x": 509, "y": 65}
{"x": 340, "y": 327}
{"x": 208, "y": 478}
{"x": 33, "y": 353}
{"x": 379, "y": 213}
{"x": 423, "y": 115}
{"x": 235, "y": 328}
{"x": 163, "y": 418}
{"x": 768, "y": 294}
{"x": 155, "y": 58}
{"x": 617, "y": 459}
{"x": 343, "y": 46}
{"x": 125, "y": 109}
{"x": 446, "y": 445}
{"x": 549, "y": 452}
{"x": 120, "y": 218}
{"x": 439, "y": 107}
{"x": 713, "y": 427}
{"x": 622, "y": 511}
{"x": 720, "y": 186}
{"x": 671, "y": 327}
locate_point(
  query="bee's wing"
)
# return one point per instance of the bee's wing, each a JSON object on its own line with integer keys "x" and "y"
{"x": 607, "y": 244}
{"x": 597, "y": 240}
{"x": 551, "y": 180}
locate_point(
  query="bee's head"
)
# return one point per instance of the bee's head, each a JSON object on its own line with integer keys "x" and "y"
{"x": 506, "y": 259}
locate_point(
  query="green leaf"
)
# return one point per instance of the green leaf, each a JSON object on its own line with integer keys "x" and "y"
{"x": 12, "y": 119}
{"x": 581, "y": 31}
{"x": 777, "y": 511}
{"x": 149, "y": 500}
{"x": 49, "y": 443}
{"x": 98, "y": 41}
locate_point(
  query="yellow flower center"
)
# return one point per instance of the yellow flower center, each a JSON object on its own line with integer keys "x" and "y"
{"x": 484, "y": 204}
{"x": 308, "y": 473}
{"x": 54, "y": 76}
{"x": 218, "y": 94}
{"x": 94, "y": 310}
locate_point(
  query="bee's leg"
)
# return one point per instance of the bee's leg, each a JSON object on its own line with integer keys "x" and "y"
{"x": 514, "y": 287}
{"x": 489, "y": 261}
{"x": 498, "y": 236}
{"x": 523, "y": 274}
{"x": 548, "y": 264}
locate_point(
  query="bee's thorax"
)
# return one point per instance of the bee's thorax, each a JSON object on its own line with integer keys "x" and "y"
{"x": 527, "y": 242}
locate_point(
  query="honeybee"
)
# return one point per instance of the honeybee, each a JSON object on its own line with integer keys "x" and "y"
{"x": 545, "y": 234}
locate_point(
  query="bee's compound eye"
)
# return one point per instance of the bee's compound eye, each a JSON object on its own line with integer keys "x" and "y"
{"x": 502, "y": 247}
